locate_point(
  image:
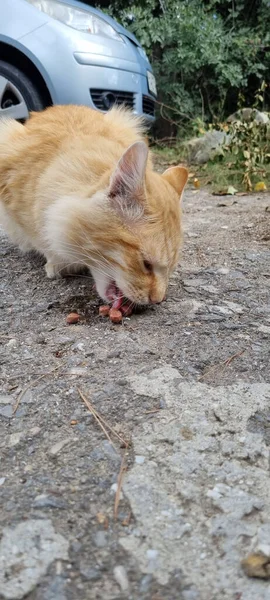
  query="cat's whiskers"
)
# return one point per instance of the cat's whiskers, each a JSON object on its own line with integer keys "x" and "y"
{"x": 88, "y": 260}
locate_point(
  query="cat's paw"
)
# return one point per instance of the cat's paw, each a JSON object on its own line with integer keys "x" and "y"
{"x": 52, "y": 270}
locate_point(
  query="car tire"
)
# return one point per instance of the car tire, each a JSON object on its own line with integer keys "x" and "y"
{"x": 18, "y": 95}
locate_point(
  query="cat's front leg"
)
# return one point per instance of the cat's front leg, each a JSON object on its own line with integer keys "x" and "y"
{"x": 53, "y": 270}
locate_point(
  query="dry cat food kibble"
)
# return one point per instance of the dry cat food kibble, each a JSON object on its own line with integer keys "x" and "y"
{"x": 72, "y": 318}
{"x": 104, "y": 310}
{"x": 115, "y": 315}
{"x": 108, "y": 311}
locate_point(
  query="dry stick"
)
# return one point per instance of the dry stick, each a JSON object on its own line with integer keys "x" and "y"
{"x": 96, "y": 416}
{"x": 224, "y": 363}
{"x": 119, "y": 487}
{"x": 102, "y": 420}
{"x": 229, "y": 360}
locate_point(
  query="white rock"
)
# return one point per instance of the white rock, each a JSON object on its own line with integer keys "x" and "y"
{"x": 58, "y": 446}
{"x": 26, "y": 551}
{"x": 15, "y": 438}
{"x": 121, "y": 577}
{"x": 12, "y": 344}
{"x": 139, "y": 459}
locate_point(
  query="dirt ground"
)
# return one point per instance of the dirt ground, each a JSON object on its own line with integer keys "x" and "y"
{"x": 172, "y": 516}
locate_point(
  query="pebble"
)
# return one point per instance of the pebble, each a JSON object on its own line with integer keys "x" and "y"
{"x": 194, "y": 282}
{"x": 15, "y": 438}
{"x": 5, "y": 399}
{"x": 114, "y": 488}
{"x": 223, "y": 271}
{"x": 53, "y": 451}
{"x": 88, "y": 572}
{"x": 139, "y": 459}
{"x": 12, "y": 344}
{"x": 56, "y": 589}
{"x": 7, "y": 411}
{"x": 121, "y": 577}
{"x": 212, "y": 289}
{"x": 146, "y": 583}
{"x": 2, "y": 480}
{"x": 45, "y": 501}
{"x": 100, "y": 539}
{"x": 34, "y": 430}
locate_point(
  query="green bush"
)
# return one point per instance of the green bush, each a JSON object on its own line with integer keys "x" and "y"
{"x": 206, "y": 54}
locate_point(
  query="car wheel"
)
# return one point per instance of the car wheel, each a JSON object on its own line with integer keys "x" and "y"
{"x": 18, "y": 95}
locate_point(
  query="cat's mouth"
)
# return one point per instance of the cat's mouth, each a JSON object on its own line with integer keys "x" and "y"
{"x": 115, "y": 296}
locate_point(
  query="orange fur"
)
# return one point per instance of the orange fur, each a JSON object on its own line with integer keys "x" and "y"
{"x": 78, "y": 186}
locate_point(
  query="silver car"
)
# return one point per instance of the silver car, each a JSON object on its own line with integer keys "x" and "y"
{"x": 54, "y": 52}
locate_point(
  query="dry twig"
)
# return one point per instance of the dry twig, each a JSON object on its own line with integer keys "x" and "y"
{"x": 223, "y": 364}
{"x": 101, "y": 421}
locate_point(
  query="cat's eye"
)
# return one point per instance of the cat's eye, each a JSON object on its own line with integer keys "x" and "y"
{"x": 148, "y": 266}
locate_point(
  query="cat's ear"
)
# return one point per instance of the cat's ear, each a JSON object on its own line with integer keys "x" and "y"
{"x": 177, "y": 177}
{"x": 126, "y": 191}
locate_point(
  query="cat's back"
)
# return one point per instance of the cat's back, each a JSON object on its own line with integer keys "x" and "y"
{"x": 66, "y": 122}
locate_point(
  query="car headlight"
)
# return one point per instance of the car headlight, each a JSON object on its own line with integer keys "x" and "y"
{"x": 77, "y": 18}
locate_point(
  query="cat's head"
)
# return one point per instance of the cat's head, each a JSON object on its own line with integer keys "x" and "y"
{"x": 138, "y": 236}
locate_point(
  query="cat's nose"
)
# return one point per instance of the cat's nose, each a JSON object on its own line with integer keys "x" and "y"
{"x": 154, "y": 300}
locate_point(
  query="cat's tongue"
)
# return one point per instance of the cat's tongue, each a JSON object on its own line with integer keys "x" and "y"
{"x": 119, "y": 301}
{"x": 114, "y": 295}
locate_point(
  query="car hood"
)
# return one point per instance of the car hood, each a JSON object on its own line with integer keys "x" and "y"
{"x": 119, "y": 28}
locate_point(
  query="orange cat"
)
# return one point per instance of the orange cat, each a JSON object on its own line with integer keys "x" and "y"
{"x": 78, "y": 186}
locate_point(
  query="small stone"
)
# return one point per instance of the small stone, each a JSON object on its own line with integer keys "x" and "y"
{"x": 5, "y": 399}
{"x": 45, "y": 501}
{"x": 223, "y": 271}
{"x": 114, "y": 354}
{"x": 53, "y": 451}
{"x": 15, "y": 438}
{"x": 194, "y": 282}
{"x": 56, "y": 589}
{"x": 146, "y": 583}
{"x": 257, "y": 565}
{"x": 212, "y": 289}
{"x": 12, "y": 344}
{"x": 2, "y": 480}
{"x": 101, "y": 539}
{"x": 34, "y": 430}
{"x": 121, "y": 577}
{"x": 72, "y": 318}
{"x": 114, "y": 488}
{"x": 139, "y": 459}
{"x": 7, "y": 411}
{"x": 88, "y": 572}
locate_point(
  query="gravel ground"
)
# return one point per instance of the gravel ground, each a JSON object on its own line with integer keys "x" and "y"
{"x": 187, "y": 383}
